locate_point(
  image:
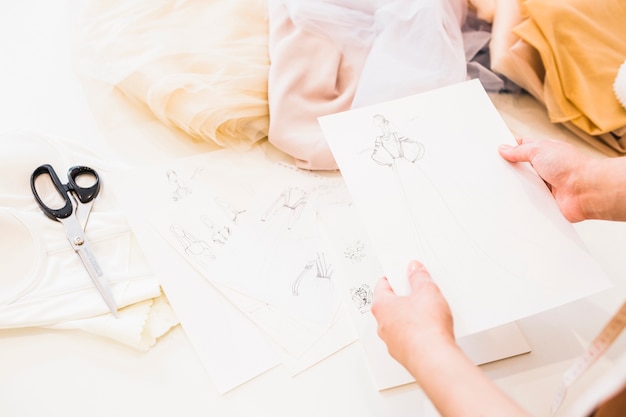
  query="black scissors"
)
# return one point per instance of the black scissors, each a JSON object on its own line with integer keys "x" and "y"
{"x": 73, "y": 211}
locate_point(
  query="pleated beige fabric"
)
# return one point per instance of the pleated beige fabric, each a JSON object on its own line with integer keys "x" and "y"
{"x": 200, "y": 66}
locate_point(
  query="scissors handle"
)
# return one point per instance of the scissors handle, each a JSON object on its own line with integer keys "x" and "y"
{"x": 84, "y": 194}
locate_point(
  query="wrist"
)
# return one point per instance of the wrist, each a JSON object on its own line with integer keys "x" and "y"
{"x": 604, "y": 195}
{"x": 429, "y": 351}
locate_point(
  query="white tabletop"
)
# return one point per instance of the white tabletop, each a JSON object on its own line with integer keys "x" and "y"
{"x": 70, "y": 373}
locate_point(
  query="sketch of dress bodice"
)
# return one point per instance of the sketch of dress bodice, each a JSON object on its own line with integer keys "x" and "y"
{"x": 179, "y": 190}
{"x": 390, "y": 145}
{"x": 197, "y": 249}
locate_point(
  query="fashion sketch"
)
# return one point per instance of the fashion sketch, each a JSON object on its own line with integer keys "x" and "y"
{"x": 355, "y": 251}
{"x": 234, "y": 212}
{"x": 198, "y": 250}
{"x": 390, "y": 145}
{"x": 219, "y": 234}
{"x": 442, "y": 230}
{"x": 362, "y": 297}
{"x": 179, "y": 189}
{"x": 290, "y": 202}
{"x": 323, "y": 272}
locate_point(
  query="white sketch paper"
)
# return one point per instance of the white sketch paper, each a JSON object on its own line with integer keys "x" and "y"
{"x": 226, "y": 228}
{"x": 340, "y": 226}
{"x": 489, "y": 231}
{"x": 237, "y": 337}
{"x": 232, "y": 349}
{"x": 275, "y": 253}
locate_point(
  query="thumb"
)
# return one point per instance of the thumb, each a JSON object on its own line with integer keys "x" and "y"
{"x": 416, "y": 272}
{"x": 523, "y": 152}
{"x": 383, "y": 288}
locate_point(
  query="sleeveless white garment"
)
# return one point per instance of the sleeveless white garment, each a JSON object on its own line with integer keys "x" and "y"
{"x": 43, "y": 282}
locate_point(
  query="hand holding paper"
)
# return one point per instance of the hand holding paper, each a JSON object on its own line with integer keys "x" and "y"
{"x": 489, "y": 231}
{"x": 584, "y": 187}
{"x": 401, "y": 320}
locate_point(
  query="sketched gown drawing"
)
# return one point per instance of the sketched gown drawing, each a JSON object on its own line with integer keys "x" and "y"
{"x": 289, "y": 203}
{"x": 323, "y": 272}
{"x": 198, "y": 250}
{"x": 390, "y": 145}
{"x": 179, "y": 190}
{"x": 442, "y": 234}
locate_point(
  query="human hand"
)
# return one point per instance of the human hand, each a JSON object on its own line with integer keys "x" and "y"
{"x": 418, "y": 331}
{"x": 562, "y": 167}
{"x": 415, "y": 324}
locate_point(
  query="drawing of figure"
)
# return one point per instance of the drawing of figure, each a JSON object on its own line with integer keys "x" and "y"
{"x": 197, "y": 249}
{"x": 362, "y": 297}
{"x": 233, "y": 211}
{"x": 442, "y": 230}
{"x": 220, "y": 235}
{"x": 355, "y": 251}
{"x": 180, "y": 190}
{"x": 390, "y": 145}
{"x": 292, "y": 200}
{"x": 323, "y": 271}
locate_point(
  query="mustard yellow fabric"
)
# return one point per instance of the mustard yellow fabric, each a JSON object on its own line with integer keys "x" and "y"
{"x": 582, "y": 44}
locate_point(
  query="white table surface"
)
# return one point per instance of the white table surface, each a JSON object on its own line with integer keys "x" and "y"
{"x": 70, "y": 373}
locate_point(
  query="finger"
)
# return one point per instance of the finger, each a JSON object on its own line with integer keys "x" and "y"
{"x": 383, "y": 288}
{"x": 525, "y": 141}
{"x": 523, "y": 152}
{"x": 417, "y": 272}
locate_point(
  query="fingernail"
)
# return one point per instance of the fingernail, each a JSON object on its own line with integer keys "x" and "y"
{"x": 505, "y": 147}
{"x": 413, "y": 266}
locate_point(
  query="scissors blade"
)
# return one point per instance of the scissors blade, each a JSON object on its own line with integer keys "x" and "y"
{"x": 82, "y": 211}
{"x": 81, "y": 246}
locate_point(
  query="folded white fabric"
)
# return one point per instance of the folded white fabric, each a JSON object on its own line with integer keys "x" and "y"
{"x": 43, "y": 281}
{"x": 139, "y": 325}
{"x": 619, "y": 86}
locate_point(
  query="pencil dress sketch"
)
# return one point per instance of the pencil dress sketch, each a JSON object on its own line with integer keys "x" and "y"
{"x": 290, "y": 203}
{"x": 323, "y": 271}
{"x": 219, "y": 233}
{"x": 180, "y": 190}
{"x": 198, "y": 250}
{"x": 445, "y": 228}
{"x": 390, "y": 145}
{"x": 229, "y": 208}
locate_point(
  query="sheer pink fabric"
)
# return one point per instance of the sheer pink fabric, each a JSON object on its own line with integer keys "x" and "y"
{"x": 329, "y": 56}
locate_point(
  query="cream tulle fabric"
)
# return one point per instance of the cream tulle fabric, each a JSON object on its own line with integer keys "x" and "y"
{"x": 200, "y": 66}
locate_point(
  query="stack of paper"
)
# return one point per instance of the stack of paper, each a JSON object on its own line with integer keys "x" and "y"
{"x": 241, "y": 259}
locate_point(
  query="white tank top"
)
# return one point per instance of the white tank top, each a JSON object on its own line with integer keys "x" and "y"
{"x": 43, "y": 281}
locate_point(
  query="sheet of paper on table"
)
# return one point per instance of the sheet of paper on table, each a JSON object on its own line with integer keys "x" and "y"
{"x": 186, "y": 217}
{"x": 357, "y": 272}
{"x": 428, "y": 183}
{"x": 272, "y": 252}
{"x": 258, "y": 242}
{"x": 231, "y": 348}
